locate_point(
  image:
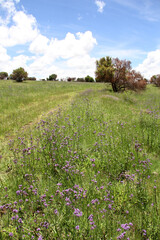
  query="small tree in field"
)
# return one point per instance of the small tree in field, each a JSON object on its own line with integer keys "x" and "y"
{"x": 19, "y": 74}
{"x": 52, "y": 77}
{"x": 3, "y": 75}
{"x": 155, "y": 79}
{"x": 89, "y": 79}
{"x": 119, "y": 73}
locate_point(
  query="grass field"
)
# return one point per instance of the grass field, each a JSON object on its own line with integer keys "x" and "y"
{"x": 89, "y": 169}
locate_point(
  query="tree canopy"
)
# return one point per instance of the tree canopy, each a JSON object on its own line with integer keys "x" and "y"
{"x": 19, "y": 74}
{"x": 119, "y": 73}
{"x": 3, "y": 75}
{"x": 155, "y": 79}
{"x": 52, "y": 77}
{"x": 89, "y": 79}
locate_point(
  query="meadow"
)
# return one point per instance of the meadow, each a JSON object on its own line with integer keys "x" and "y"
{"x": 81, "y": 162}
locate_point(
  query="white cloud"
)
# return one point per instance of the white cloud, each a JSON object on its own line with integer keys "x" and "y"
{"x": 23, "y": 30}
{"x": 151, "y": 65}
{"x": 72, "y": 51}
{"x": 69, "y": 56}
{"x": 4, "y": 57}
{"x": 39, "y": 45}
{"x": 100, "y": 4}
{"x": 8, "y": 5}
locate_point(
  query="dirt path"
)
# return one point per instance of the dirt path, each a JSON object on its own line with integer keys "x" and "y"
{"x": 111, "y": 96}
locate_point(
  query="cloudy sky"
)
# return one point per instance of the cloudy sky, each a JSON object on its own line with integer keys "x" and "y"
{"x": 67, "y": 36}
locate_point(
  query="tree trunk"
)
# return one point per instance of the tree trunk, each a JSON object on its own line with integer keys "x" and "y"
{"x": 114, "y": 87}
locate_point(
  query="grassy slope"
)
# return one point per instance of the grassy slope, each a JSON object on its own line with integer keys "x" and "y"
{"x": 124, "y": 119}
{"x": 22, "y": 103}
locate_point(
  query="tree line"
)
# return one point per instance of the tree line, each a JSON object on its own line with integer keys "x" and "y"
{"x": 118, "y": 73}
{"x": 20, "y": 75}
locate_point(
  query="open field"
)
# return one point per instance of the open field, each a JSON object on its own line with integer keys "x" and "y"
{"x": 89, "y": 169}
{"x": 22, "y": 103}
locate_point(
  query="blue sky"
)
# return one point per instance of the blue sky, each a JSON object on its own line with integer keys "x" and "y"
{"x": 67, "y": 36}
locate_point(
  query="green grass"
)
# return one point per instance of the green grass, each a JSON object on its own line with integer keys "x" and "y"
{"x": 22, "y": 103}
{"x": 89, "y": 170}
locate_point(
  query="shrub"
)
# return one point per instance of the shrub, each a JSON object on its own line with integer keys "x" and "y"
{"x": 69, "y": 79}
{"x": 31, "y": 78}
{"x": 89, "y": 79}
{"x": 80, "y": 80}
{"x": 155, "y": 79}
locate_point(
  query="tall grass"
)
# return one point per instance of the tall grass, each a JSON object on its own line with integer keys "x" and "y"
{"x": 22, "y": 103}
{"x": 84, "y": 173}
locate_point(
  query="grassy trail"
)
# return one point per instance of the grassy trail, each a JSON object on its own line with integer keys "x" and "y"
{"x": 23, "y": 105}
{"x": 89, "y": 170}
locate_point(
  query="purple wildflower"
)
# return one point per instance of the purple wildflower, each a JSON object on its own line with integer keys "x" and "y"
{"x": 77, "y": 212}
{"x": 56, "y": 211}
{"x": 77, "y": 227}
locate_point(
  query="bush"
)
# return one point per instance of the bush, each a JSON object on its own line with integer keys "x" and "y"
{"x": 31, "y": 78}
{"x": 80, "y": 80}
{"x": 155, "y": 79}
{"x": 69, "y": 79}
{"x": 89, "y": 79}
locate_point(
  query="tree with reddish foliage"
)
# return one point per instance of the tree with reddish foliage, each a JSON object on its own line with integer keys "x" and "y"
{"x": 121, "y": 68}
{"x": 119, "y": 73}
{"x": 135, "y": 81}
{"x": 71, "y": 79}
{"x": 155, "y": 79}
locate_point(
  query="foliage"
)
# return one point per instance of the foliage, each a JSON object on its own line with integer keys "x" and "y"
{"x": 52, "y": 77}
{"x": 89, "y": 79}
{"x": 119, "y": 73}
{"x": 155, "y": 79}
{"x": 31, "y": 78}
{"x": 3, "y": 75}
{"x": 80, "y": 80}
{"x": 104, "y": 70}
{"x": 19, "y": 74}
{"x": 135, "y": 81}
{"x": 71, "y": 79}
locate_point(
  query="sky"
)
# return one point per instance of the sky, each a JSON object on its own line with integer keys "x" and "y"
{"x": 66, "y": 37}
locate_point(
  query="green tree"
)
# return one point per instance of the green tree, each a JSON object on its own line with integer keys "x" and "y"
{"x": 3, "y": 75}
{"x": 19, "y": 74}
{"x": 52, "y": 77}
{"x": 119, "y": 73}
{"x": 89, "y": 79}
{"x": 104, "y": 70}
